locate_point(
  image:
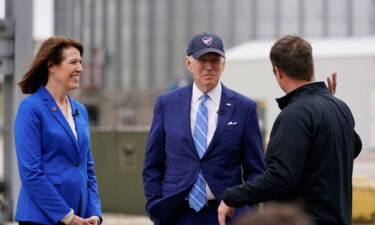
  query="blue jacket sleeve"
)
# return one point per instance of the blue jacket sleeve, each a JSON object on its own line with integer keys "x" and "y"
{"x": 27, "y": 134}
{"x": 252, "y": 153}
{"x": 154, "y": 163}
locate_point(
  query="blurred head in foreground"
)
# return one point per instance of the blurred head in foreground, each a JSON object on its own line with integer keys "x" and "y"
{"x": 276, "y": 214}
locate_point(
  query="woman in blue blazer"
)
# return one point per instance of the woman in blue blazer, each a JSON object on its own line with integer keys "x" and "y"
{"x": 53, "y": 142}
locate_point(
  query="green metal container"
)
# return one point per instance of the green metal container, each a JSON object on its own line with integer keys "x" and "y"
{"x": 118, "y": 156}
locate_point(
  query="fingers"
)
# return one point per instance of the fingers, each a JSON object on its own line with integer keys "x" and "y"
{"x": 91, "y": 221}
{"x": 221, "y": 218}
{"x": 222, "y": 213}
{"x": 332, "y": 83}
{"x": 77, "y": 221}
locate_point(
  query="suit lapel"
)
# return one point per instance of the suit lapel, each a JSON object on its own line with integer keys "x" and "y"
{"x": 77, "y": 120}
{"x": 56, "y": 112}
{"x": 184, "y": 108}
{"x": 226, "y": 107}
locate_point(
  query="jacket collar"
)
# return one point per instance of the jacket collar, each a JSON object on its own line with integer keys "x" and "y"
{"x": 56, "y": 112}
{"x": 304, "y": 89}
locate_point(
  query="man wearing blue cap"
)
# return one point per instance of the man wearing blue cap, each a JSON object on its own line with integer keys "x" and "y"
{"x": 204, "y": 139}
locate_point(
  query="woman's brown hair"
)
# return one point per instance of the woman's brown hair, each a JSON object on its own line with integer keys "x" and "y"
{"x": 50, "y": 53}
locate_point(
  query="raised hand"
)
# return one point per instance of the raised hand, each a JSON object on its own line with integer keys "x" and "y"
{"x": 332, "y": 82}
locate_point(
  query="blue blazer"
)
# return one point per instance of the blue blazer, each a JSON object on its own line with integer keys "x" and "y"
{"x": 56, "y": 170}
{"x": 172, "y": 163}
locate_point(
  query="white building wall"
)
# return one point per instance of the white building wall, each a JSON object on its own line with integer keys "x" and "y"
{"x": 249, "y": 71}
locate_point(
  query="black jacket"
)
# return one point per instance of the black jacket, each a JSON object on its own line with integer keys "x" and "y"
{"x": 309, "y": 157}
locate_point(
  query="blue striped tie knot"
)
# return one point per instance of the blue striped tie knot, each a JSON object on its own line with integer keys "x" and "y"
{"x": 197, "y": 195}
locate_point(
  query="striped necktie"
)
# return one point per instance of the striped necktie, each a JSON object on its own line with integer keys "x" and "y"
{"x": 197, "y": 195}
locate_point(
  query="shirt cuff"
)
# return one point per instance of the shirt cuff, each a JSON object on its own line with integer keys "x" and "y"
{"x": 68, "y": 218}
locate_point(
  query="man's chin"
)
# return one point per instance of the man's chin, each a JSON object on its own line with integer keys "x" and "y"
{"x": 208, "y": 87}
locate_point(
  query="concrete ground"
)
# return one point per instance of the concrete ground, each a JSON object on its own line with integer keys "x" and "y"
{"x": 117, "y": 219}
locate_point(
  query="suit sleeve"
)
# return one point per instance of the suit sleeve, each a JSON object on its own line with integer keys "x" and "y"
{"x": 27, "y": 133}
{"x": 154, "y": 163}
{"x": 286, "y": 157}
{"x": 252, "y": 154}
{"x": 94, "y": 208}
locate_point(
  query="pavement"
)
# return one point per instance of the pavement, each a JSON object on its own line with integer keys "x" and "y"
{"x": 119, "y": 219}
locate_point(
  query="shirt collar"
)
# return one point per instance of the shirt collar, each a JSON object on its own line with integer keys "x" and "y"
{"x": 214, "y": 94}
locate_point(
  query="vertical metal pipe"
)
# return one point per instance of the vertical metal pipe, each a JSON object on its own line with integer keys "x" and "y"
{"x": 301, "y": 17}
{"x": 211, "y": 15}
{"x": 119, "y": 43}
{"x": 151, "y": 44}
{"x": 91, "y": 42}
{"x": 277, "y": 18}
{"x": 23, "y": 52}
{"x": 189, "y": 5}
{"x": 81, "y": 19}
{"x": 349, "y": 17}
{"x": 189, "y": 19}
{"x": 56, "y": 21}
{"x": 254, "y": 19}
{"x": 170, "y": 31}
{"x": 74, "y": 23}
{"x": 104, "y": 29}
{"x": 69, "y": 17}
{"x": 325, "y": 18}
{"x": 134, "y": 41}
{"x": 232, "y": 22}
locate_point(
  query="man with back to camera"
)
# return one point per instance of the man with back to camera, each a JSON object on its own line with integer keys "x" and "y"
{"x": 312, "y": 144}
{"x": 204, "y": 138}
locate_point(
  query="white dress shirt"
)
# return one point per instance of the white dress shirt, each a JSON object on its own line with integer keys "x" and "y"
{"x": 71, "y": 120}
{"x": 213, "y": 104}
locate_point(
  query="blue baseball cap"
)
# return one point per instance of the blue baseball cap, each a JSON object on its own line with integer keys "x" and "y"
{"x": 205, "y": 43}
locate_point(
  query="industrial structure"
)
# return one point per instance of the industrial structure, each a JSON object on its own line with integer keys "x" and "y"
{"x": 135, "y": 49}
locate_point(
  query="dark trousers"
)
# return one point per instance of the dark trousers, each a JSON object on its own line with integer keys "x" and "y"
{"x": 187, "y": 216}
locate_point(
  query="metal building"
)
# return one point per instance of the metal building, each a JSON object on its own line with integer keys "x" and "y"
{"x": 135, "y": 49}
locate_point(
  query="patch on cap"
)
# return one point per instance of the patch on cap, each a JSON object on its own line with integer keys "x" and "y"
{"x": 207, "y": 40}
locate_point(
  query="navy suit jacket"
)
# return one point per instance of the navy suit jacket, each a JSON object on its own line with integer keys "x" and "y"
{"x": 56, "y": 169}
{"x": 172, "y": 163}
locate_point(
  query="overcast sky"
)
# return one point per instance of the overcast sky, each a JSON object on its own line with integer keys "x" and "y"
{"x": 43, "y": 18}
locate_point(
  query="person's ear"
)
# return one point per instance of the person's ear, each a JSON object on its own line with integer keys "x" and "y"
{"x": 278, "y": 73}
{"x": 188, "y": 63}
{"x": 50, "y": 66}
